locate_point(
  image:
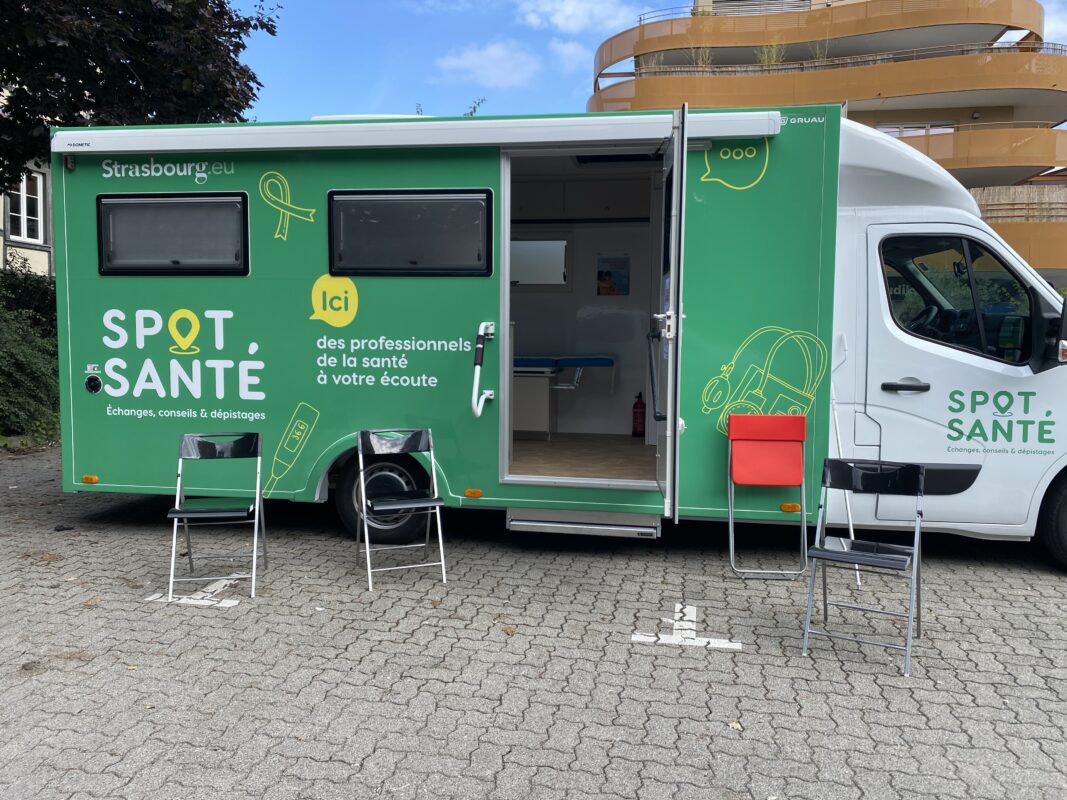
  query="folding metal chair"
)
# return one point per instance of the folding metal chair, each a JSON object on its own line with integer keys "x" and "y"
{"x": 766, "y": 450}
{"x": 397, "y": 441}
{"x": 869, "y": 477}
{"x": 193, "y": 511}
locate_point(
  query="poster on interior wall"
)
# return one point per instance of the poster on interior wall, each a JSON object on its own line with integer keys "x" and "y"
{"x": 612, "y": 276}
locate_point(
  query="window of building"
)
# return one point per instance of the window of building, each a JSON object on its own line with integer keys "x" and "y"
{"x": 411, "y": 233}
{"x": 954, "y": 291}
{"x": 25, "y": 210}
{"x": 173, "y": 234}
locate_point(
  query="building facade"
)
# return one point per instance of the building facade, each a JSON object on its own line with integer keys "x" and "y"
{"x": 25, "y": 224}
{"x": 970, "y": 83}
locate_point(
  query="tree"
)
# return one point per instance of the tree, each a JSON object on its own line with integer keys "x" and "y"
{"x": 119, "y": 62}
{"x": 470, "y": 112}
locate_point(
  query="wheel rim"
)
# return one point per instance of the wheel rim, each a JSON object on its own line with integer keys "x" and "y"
{"x": 384, "y": 479}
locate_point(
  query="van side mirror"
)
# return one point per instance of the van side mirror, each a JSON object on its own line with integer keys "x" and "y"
{"x": 1048, "y": 332}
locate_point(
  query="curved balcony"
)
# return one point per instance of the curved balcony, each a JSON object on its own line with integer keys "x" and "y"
{"x": 995, "y": 153}
{"x": 916, "y": 21}
{"x": 1032, "y": 219}
{"x": 1031, "y": 77}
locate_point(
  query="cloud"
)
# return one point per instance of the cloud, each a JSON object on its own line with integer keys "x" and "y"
{"x": 505, "y": 64}
{"x": 571, "y": 56}
{"x": 1055, "y": 20}
{"x": 573, "y": 17}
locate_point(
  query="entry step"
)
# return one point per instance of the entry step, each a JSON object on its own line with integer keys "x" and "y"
{"x": 586, "y": 523}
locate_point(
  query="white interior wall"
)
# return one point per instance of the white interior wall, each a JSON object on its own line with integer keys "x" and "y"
{"x": 575, "y": 321}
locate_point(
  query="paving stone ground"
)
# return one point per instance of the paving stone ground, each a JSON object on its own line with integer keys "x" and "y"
{"x": 518, "y": 679}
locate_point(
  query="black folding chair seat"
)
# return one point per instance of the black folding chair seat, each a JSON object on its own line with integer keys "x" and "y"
{"x": 402, "y": 501}
{"x": 212, "y": 507}
{"x": 865, "y": 554}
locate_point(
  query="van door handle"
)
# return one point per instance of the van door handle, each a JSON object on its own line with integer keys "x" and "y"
{"x": 901, "y": 386}
{"x": 485, "y": 331}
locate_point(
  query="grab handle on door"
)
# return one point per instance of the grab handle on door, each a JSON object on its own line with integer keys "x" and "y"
{"x": 905, "y": 386}
{"x": 485, "y": 331}
{"x": 657, "y": 415}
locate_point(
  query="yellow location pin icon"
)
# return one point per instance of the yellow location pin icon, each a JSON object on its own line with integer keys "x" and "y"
{"x": 274, "y": 189}
{"x": 184, "y": 342}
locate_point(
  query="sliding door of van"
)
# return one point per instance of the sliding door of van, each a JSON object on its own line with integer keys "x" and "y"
{"x": 667, "y": 323}
{"x": 948, "y": 378}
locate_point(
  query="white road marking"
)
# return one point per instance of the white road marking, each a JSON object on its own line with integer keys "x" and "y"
{"x": 684, "y": 632}
{"x": 204, "y": 597}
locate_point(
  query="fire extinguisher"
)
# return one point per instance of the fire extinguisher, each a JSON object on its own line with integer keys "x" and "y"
{"x": 639, "y": 416}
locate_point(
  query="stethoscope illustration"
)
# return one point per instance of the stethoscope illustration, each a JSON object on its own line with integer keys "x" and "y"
{"x": 718, "y": 391}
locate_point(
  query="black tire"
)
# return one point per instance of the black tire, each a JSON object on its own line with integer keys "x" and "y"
{"x": 1052, "y": 524}
{"x": 385, "y": 475}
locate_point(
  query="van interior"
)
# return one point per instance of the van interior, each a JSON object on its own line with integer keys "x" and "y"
{"x": 585, "y": 275}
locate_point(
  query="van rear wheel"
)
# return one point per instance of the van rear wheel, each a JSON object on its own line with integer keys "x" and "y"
{"x": 385, "y": 476}
{"x": 1052, "y": 524}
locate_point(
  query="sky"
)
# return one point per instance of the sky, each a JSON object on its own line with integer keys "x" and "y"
{"x": 390, "y": 56}
{"x": 395, "y": 56}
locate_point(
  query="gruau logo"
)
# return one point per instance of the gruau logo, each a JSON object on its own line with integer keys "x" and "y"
{"x": 199, "y": 171}
{"x": 786, "y": 120}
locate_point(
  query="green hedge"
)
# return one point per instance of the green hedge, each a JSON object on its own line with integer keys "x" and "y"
{"x": 29, "y": 382}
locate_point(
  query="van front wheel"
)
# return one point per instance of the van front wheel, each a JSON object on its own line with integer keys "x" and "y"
{"x": 385, "y": 476}
{"x": 1052, "y": 524}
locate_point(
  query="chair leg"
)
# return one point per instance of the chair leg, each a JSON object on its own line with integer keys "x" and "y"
{"x": 440, "y": 542}
{"x": 263, "y": 533}
{"x": 173, "y": 558}
{"x": 918, "y": 595}
{"x": 811, "y": 602}
{"x": 825, "y": 599}
{"x": 188, "y": 545}
{"x": 911, "y": 622}
{"x": 730, "y": 526}
{"x": 911, "y": 618}
{"x": 255, "y": 551}
{"x": 366, "y": 546}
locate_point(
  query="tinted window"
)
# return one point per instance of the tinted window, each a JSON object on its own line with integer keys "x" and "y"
{"x": 1005, "y": 305}
{"x": 954, "y": 291}
{"x": 173, "y": 235}
{"x": 420, "y": 233}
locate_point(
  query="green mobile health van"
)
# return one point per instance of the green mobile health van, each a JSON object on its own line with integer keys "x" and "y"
{"x": 310, "y": 280}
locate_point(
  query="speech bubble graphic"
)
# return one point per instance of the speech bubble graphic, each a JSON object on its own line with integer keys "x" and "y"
{"x": 334, "y": 300}
{"x": 183, "y": 343}
{"x": 737, "y": 165}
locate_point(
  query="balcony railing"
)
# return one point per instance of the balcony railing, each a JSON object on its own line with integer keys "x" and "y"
{"x": 644, "y": 68}
{"x": 939, "y": 128}
{"x": 1024, "y": 211}
{"x": 732, "y": 8}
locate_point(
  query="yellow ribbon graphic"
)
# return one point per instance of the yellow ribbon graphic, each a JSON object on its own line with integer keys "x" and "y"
{"x": 274, "y": 189}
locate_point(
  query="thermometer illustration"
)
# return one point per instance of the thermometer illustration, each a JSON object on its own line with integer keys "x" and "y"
{"x": 292, "y": 444}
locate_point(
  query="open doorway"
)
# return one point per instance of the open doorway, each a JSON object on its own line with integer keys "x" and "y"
{"x": 584, "y": 276}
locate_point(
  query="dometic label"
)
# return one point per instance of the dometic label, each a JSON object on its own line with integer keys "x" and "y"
{"x": 199, "y": 171}
{"x": 203, "y": 361}
{"x": 1007, "y": 423}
